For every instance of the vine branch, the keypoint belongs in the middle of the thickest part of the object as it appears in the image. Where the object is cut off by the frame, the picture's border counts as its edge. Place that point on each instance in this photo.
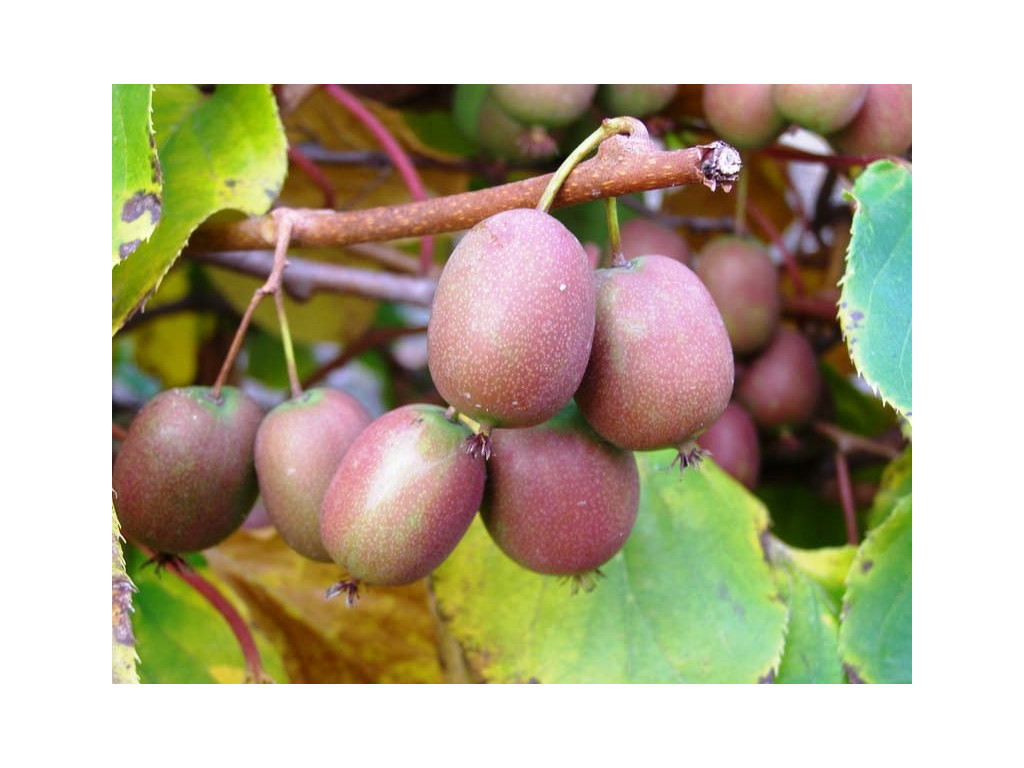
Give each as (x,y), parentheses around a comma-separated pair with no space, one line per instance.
(623,165)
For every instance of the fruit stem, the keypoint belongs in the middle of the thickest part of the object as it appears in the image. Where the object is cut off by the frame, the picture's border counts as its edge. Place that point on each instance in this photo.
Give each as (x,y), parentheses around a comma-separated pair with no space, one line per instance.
(610,126)
(846,497)
(286,342)
(283,221)
(614,235)
(253,664)
(788,260)
(743,184)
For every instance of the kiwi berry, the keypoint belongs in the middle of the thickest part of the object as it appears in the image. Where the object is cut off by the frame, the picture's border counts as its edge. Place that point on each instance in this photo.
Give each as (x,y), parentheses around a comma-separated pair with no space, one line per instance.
(402,497)
(781,387)
(643,237)
(661,370)
(512,322)
(559,499)
(732,442)
(743,115)
(184,479)
(744,282)
(552,106)
(818,107)
(299,446)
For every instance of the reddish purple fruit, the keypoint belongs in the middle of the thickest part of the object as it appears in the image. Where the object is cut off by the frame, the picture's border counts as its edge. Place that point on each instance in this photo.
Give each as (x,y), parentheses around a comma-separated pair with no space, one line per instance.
(744,282)
(782,385)
(635,100)
(643,237)
(733,443)
(884,125)
(184,479)
(743,115)
(817,107)
(298,449)
(559,499)
(661,371)
(513,320)
(552,106)
(402,498)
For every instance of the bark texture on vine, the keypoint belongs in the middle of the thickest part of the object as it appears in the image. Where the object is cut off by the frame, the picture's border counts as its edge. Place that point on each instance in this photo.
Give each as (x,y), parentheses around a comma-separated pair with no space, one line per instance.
(623,165)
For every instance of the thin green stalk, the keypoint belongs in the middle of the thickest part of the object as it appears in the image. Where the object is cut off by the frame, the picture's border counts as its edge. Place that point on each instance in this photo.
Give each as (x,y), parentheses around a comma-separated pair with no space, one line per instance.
(610,126)
(614,234)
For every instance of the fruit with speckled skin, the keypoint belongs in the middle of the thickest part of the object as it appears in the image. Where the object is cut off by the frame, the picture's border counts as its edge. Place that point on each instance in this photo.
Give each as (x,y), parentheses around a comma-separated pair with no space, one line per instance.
(559,499)
(299,446)
(402,498)
(513,320)
(744,282)
(643,237)
(732,443)
(661,370)
(635,100)
(818,107)
(743,115)
(548,105)
(184,479)
(884,125)
(782,385)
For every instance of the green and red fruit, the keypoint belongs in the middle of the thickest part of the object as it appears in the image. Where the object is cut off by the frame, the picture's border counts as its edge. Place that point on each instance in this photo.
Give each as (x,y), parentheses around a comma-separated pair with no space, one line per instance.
(744,282)
(782,386)
(559,499)
(661,370)
(184,479)
(643,237)
(819,108)
(402,498)
(552,106)
(512,322)
(743,115)
(299,446)
(732,442)
(884,125)
(635,100)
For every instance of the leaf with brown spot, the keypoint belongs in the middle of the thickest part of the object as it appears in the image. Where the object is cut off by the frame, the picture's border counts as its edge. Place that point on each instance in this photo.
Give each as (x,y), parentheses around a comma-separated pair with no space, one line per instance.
(388,637)
(203,140)
(136,180)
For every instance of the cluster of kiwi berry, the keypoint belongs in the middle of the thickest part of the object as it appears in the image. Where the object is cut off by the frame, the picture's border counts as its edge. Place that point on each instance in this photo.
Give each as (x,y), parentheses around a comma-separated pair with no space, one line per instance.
(553,373)
(856,119)
(526,123)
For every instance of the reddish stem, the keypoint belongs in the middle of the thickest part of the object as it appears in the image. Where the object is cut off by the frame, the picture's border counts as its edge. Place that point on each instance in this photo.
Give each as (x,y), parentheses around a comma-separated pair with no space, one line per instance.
(253,663)
(842,162)
(398,156)
(318,177)
(846,497)
(788,260)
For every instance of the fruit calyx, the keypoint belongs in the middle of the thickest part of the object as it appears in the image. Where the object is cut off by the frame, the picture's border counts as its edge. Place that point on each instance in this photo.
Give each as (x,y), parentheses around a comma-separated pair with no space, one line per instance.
(348,587)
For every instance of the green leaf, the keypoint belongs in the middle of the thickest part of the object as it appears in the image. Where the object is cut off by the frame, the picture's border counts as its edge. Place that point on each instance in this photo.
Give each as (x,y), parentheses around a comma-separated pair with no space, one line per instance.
(875,634)
(875,304)
(219,151)
(135,187)
(689,599)
(812,636)
(896,483)
(181,638)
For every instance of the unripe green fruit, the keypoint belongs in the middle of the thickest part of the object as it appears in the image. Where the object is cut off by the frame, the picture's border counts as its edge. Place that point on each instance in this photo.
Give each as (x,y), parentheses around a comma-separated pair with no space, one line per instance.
(782,385)
(513,320)
(732,442)
(744,282)
(743,115)
(299,446)
(661,370)
(504,137)
(635,100)
(884,125)
(184,478)
(819,108)
(402,498)
(552,106)
(559,499)
(643,237)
